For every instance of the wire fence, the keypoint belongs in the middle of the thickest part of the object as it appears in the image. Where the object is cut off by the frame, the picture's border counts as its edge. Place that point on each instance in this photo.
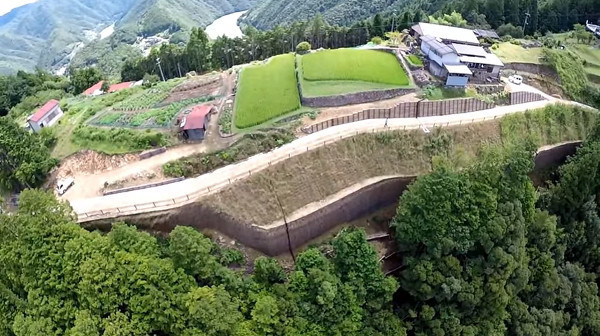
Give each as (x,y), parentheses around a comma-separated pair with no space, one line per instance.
(259,163)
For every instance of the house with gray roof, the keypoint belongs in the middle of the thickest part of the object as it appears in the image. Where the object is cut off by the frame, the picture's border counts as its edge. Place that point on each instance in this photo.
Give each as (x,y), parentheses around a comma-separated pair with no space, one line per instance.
(456,55)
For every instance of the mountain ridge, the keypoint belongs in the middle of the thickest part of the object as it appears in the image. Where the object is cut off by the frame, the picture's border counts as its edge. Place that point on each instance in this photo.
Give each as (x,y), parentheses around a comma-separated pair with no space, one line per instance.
(42,34)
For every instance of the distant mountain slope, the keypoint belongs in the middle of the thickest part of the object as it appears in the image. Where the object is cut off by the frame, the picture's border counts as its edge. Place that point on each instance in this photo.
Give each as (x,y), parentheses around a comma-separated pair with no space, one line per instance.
(269,13)
(44,33)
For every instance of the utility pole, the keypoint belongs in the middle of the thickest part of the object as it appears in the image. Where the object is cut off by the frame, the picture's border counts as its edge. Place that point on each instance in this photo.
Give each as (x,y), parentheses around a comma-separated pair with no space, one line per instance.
(287,229)
(160,67)
(526,22)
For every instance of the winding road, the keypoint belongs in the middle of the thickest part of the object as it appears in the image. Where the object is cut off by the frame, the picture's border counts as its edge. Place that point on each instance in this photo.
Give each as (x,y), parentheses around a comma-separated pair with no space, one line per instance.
(188,191)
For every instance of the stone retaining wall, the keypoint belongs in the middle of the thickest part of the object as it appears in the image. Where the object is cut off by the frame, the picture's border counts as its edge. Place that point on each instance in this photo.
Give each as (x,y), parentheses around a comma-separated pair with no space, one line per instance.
(354,98)
(539,69)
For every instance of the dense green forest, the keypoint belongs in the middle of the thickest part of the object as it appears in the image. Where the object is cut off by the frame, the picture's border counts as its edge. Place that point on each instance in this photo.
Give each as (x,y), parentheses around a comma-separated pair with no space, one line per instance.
(551,15)
(484,253)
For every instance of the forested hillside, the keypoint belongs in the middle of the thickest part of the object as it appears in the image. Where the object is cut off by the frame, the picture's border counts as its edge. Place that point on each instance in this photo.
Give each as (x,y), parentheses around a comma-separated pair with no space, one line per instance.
(44,33)
(269,13)
(558,15)
(484,253)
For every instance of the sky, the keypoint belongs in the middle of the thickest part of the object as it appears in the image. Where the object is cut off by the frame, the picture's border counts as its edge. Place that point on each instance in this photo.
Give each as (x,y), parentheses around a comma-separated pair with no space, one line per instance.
(7,5)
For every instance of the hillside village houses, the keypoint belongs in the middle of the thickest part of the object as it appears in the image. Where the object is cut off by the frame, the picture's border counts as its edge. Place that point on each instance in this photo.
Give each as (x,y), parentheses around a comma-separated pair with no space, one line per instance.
(456,55)
(45,116)
(96,89)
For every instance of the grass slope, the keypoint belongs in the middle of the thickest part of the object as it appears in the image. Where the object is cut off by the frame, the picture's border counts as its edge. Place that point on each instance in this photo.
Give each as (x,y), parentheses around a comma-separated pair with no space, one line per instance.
(266,91)
(512,53)
(591,56)
(415,60)
(352,64)
(312,176)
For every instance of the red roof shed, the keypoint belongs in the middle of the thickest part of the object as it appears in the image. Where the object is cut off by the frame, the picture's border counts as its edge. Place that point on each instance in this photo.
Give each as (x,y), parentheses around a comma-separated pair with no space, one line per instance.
(119,87)
(39,114)
(195,120)
(93,89)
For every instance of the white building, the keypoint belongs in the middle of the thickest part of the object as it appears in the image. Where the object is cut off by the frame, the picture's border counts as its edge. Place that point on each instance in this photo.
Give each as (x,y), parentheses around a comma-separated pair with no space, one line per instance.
(46,116)
(455,54)
(447,34)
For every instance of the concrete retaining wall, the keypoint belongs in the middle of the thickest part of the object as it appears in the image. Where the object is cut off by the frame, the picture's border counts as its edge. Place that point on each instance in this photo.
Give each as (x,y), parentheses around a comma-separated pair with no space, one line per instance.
(272,241)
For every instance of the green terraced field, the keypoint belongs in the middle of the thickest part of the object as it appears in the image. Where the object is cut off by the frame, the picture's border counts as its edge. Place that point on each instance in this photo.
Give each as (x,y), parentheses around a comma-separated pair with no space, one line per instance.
(266,91)
(352,64)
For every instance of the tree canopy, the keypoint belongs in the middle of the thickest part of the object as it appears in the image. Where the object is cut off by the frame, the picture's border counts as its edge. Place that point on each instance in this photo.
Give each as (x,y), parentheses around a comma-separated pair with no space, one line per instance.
(24,159)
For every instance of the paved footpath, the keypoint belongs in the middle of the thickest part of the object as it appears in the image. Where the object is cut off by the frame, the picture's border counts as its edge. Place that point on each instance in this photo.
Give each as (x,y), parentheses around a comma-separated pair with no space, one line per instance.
(187,191)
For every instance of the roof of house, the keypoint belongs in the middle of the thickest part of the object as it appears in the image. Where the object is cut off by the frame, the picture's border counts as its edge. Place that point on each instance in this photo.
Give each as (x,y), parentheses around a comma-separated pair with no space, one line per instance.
(41,113)
(489,59)
(446,32)
(486,33)
(120,86)
(440,48)
(195,120)
(458,69)
(469,50)
(93,89)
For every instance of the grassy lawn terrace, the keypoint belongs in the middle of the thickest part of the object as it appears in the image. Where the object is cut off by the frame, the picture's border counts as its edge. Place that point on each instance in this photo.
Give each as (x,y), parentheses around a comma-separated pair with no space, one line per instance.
(266,91)
(324,73)
(439,93)
(351,64)
(512,53)
(414,60)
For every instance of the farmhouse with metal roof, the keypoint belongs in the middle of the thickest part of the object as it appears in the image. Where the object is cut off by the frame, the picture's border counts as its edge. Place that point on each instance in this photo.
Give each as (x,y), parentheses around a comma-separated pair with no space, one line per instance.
(45,116)
(456,55)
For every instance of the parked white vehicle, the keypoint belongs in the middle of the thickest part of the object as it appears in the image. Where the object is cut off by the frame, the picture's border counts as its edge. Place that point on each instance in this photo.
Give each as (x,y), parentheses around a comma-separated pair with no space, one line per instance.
(516,79)
(63,185)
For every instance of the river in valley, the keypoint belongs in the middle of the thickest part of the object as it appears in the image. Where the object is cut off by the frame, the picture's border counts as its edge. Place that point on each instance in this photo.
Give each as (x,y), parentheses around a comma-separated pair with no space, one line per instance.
(225,25)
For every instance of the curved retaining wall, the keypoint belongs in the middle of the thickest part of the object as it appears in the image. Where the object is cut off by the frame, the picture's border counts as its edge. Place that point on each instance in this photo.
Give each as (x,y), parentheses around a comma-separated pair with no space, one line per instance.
(273,241)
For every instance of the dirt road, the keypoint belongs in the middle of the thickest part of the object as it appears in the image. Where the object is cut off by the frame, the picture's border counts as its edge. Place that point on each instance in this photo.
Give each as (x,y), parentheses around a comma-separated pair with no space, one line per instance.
(187,191)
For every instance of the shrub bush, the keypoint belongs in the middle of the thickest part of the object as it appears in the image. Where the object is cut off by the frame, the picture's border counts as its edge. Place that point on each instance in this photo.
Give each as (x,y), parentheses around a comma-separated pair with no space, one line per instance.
(303,47)
(509,29)
(377,40)
(119,137)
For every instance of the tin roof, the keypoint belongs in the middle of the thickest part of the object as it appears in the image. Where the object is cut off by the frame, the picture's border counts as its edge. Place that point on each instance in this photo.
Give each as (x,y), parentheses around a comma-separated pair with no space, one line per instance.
(489,59)
(119,87)
(93,89)
(440,48)
(448,33)
(195,120)
(459,69)
(41,113)
(463,49)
